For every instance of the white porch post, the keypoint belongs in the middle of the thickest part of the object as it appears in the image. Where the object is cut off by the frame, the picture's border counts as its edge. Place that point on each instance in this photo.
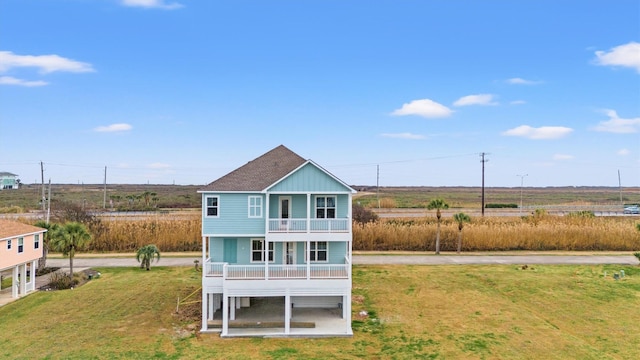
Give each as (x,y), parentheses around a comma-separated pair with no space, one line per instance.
(266,239)
(23,279)
(204,255)
(14,282)
(225,314)
(287,314)
(309,209)
(34,267)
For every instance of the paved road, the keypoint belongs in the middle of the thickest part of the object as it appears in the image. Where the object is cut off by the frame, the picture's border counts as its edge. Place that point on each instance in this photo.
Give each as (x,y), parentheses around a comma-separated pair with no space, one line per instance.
(386,260)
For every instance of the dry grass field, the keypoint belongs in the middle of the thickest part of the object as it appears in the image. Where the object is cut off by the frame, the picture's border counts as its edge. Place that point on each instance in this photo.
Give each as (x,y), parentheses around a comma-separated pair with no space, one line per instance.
(399,312)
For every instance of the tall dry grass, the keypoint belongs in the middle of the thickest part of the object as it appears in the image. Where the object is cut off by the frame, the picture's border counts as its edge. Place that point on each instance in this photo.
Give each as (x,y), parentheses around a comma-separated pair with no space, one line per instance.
(543,232)
(499,234)
(168,233)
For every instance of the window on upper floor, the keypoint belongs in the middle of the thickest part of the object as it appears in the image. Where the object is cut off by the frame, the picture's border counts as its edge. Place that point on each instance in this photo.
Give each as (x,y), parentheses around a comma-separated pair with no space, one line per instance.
(325,207)
(212,205)
(9,244)
(20,245)
(36,241)
(255,206)
(257,250)
(318,251)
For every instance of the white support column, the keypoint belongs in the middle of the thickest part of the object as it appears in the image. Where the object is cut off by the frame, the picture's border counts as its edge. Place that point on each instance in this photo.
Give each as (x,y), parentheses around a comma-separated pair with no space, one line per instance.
(204,255)
(309,212)
(14,282)
(34,268)
(346,311)
(266,257)
(205,296)
(23,279)
(287,314)
(225,315)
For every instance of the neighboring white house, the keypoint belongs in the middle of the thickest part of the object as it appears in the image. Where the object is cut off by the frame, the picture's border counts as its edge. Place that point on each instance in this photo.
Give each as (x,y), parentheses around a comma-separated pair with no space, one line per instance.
(8,181)
(20,249)
(277,247)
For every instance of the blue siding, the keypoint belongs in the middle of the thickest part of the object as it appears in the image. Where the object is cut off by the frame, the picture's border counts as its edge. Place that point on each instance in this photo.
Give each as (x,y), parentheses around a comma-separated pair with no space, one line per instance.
(309,178)
(233,216)
(337,251)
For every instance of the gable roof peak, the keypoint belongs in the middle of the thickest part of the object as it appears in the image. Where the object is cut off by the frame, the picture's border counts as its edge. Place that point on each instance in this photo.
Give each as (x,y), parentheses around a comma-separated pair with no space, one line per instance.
(259,173)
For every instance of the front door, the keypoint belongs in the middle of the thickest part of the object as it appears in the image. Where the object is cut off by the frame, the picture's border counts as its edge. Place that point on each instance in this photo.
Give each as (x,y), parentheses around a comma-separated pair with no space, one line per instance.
(284,209)
(230,251)
(289,253)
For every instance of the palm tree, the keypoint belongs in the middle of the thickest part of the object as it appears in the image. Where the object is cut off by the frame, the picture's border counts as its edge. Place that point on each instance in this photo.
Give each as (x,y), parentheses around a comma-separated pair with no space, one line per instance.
(68,238)
(146,254)
(51,228)
(461,218)
(438,204)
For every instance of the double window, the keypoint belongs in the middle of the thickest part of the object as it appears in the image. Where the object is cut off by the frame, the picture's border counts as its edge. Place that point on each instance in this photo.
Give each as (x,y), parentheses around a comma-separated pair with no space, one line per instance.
(36,241)
(325,207)
(257,250)
(318,251)
(212,204)
(20,245)
(255,206)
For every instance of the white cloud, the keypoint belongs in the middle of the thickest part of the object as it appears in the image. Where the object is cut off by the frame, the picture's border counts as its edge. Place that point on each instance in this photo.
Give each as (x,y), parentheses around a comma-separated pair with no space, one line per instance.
(479,99)
(518,102)
(114,128)
(425,107)
(521,81)
(562,157)
(159,166)
(617,125)
(8,80)
(152,4)
(541,133)
(409,136)
(46,63)
(623,152)
(627,55)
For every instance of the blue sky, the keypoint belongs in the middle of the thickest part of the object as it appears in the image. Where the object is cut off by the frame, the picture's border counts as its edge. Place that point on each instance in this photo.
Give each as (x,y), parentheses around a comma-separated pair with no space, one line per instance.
(185,91)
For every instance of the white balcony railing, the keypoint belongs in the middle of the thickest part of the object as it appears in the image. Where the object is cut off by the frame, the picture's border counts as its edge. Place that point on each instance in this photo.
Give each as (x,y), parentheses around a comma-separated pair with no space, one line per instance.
(309,225)
(276,271)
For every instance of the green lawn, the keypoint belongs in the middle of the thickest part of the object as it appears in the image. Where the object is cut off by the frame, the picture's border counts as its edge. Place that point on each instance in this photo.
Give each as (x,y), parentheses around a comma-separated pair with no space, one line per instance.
(430,312)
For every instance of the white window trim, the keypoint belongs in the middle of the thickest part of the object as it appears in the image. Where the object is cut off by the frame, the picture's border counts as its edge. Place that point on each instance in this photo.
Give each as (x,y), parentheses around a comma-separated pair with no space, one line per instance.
(272,251)
(316,252)
(36,241)
(9,244)
(256,206)
(20,245)
(206,206)
(335,207)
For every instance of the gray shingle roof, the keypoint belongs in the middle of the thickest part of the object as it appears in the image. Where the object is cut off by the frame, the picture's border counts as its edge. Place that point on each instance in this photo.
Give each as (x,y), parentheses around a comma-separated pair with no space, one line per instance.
(260,173)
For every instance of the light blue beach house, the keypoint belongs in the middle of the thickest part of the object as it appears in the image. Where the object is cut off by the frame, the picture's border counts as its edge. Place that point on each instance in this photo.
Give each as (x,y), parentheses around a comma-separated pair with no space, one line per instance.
(277,239)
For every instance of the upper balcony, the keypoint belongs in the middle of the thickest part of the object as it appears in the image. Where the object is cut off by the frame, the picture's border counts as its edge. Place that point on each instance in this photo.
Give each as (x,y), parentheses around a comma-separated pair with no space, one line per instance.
(309,225)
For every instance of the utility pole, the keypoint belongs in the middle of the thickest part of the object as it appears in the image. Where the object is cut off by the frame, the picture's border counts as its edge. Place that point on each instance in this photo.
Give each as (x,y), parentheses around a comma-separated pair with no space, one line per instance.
(49,202)
(104,200)
(620,187)
(42,175)
(378,184)
(521,185)
(483,161)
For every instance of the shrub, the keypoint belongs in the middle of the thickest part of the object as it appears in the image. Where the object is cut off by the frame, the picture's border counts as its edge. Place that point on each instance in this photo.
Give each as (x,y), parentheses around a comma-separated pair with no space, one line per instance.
(362,215)
(61,281)
(501,206)
(388,203)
